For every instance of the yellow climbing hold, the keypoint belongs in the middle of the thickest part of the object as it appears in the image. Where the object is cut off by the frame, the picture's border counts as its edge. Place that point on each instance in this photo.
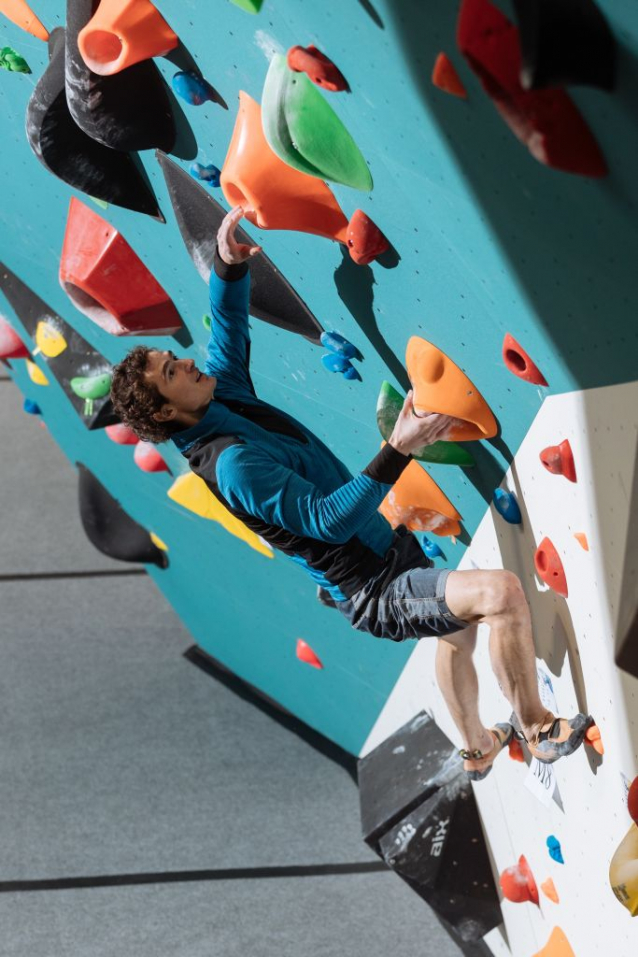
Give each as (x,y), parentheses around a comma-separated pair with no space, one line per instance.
(49,340)
(36,374)
(158,541)
(191,492)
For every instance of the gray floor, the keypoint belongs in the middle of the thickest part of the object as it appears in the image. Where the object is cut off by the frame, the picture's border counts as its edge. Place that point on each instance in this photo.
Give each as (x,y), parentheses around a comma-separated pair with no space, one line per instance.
(126,772)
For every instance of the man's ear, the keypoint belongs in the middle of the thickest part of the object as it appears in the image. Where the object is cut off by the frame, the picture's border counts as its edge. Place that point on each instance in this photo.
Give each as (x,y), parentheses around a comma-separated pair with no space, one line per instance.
(165,414)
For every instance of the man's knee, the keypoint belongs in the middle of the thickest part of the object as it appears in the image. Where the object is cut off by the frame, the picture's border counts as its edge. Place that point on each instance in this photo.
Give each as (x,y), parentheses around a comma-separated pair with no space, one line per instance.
(503,593)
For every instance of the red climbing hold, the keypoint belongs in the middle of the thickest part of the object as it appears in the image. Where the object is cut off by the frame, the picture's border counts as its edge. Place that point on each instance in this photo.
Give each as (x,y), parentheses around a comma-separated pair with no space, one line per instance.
(516,750)
(445,77)
(320,68)
(518,362)
(549,567)
(632,800)
(148,458)
(518,884)
(106,280)
(546,121)
(365,240)
(11,345)
(121,434)
(559,460)
(306,654)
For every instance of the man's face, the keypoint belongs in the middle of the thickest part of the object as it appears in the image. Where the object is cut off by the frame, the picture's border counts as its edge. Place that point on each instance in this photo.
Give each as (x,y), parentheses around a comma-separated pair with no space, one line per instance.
(187,391)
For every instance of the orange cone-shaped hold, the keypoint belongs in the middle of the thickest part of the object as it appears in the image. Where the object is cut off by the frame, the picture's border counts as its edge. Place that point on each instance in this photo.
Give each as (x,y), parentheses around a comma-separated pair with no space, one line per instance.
(445,77)
(23,16)
(556,946)
(417,502)
(307,655)
(273,194)
(559,460)
(123,32)
(440,386)
(518,362)
(518,884)
(549,567)
(581,538)
(594,739)
(11,345)
(108,282)
(549,890)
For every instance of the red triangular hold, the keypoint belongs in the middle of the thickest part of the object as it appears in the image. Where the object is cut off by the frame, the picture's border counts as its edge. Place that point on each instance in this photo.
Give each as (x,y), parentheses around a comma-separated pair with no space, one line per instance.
(559,460)
(519,363)
(549,567)
(445,77)
(307,655)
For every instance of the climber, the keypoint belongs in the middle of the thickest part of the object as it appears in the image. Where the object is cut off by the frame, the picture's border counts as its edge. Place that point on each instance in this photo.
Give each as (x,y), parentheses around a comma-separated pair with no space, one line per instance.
(278,478)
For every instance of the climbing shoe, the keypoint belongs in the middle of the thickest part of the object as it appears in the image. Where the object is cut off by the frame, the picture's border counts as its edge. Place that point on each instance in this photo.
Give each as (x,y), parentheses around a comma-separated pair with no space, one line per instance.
(555,738)
(482,763)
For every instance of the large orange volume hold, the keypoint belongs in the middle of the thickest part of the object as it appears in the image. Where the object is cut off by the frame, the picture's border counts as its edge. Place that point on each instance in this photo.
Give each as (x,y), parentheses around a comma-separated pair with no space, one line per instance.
(273,194)
(417,502)
(440,386)
(106,280)
(123,32)
(556,946)
(23,16)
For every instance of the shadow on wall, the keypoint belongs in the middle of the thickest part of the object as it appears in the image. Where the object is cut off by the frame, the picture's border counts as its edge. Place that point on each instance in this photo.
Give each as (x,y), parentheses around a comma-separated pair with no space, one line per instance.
(569,240)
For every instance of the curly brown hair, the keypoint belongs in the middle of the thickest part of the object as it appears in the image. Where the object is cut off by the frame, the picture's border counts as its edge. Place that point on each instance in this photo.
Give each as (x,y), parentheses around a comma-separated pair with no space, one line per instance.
(135,399)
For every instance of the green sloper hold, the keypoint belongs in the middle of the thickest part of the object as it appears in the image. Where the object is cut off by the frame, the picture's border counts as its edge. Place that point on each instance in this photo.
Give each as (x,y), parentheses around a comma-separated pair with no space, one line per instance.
(250,6)
(12,61)
(92,386)
(305,132)
(389,404)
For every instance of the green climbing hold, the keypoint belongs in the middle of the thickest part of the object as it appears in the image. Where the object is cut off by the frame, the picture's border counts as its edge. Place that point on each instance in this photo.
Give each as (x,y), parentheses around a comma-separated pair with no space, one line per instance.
(90,388)
(206,321)
(305,132)
(389,404)
(250,6)
(12,61)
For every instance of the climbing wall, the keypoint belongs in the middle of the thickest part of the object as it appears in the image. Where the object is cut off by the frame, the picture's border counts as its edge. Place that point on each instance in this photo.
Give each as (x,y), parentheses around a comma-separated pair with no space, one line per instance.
(490,233)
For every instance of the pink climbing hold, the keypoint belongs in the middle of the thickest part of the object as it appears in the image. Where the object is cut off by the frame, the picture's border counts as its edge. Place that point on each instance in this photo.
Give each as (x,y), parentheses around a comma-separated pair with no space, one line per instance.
(518,884)
(519,363)
(148,458)
(365,240)
(11,345)
(121,434)
(307,655)
(559,460)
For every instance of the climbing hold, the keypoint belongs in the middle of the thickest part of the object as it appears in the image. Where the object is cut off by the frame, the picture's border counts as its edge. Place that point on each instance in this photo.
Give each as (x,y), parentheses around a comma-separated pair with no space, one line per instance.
(549,567)
(31,407)
(518,362)
(105,279)
(352,373)
(110,528)
(431,549)
(515,749)
(340,345)
(124,32)
(306,654)
(199,216)
(36,374)
(559,460)
(417,502)
(554,848)
(632,801)
(126,111)
(90,388)
(121,434)
(11,345)
(274,195)
(623,871)
(304,131)
(318,67)
(209,174)
(445,77)
(49,339)
(335,363)
(158,541)
(556,946)
(389,405)
(250,6)
(12,61)
(147,457)
(20,13)
(206,322)
(546,121)
(565,43)
(192,493)
(440,386)
(549,890)
(594,739)
(581,538)
(70,154)
(193,88)
(506,505)
(364,239)
(518,884)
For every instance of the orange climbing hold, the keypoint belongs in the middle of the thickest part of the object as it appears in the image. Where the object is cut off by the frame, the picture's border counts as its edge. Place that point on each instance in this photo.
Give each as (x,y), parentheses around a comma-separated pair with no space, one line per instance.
(307,655)
(556,946)
(123,32)
(23,16)
(11,345)
(549,567)
(559,460)
(318,67)
(518,362)
(445,77)
(518,884)
(549,890)
(273,194)
(106,280)
(516,750)
(417,502)
(581,538)
(594,739)
(365,240)
(440,386)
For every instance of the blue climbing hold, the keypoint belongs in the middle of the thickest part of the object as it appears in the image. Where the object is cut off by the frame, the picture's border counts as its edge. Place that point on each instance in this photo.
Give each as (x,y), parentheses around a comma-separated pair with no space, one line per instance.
(431,549)
(507,506)
(192,87)
(336,363)
(31,407)
(209,174)
(340,345)
(553,846)
(351,373)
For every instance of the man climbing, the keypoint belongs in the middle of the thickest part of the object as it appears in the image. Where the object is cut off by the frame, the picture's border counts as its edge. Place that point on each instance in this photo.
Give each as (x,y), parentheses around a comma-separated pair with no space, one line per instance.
(278,478)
